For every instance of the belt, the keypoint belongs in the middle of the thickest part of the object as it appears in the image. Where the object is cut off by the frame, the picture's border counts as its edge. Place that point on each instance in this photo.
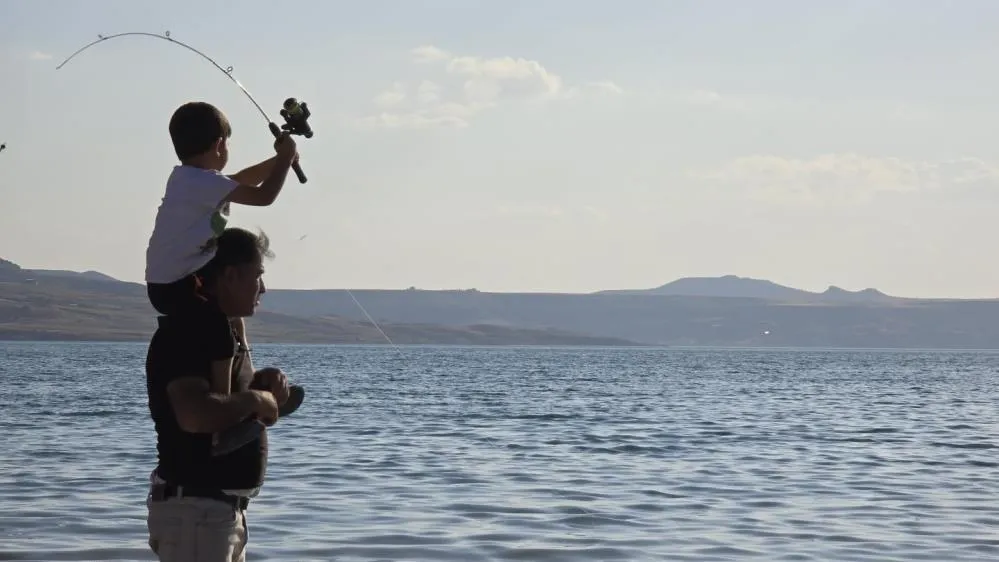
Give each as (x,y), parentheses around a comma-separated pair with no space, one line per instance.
(161,492)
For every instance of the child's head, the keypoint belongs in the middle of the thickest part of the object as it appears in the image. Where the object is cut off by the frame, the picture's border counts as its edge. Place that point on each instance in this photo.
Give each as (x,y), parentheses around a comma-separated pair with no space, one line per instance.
(200,134)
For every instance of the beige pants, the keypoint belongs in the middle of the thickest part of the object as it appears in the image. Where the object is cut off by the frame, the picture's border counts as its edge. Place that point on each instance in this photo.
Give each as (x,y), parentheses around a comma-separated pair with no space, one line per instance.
(196,530)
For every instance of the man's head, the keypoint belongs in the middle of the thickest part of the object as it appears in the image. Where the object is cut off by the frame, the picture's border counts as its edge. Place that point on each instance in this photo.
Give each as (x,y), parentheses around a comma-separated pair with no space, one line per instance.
(200,134)
(234,277)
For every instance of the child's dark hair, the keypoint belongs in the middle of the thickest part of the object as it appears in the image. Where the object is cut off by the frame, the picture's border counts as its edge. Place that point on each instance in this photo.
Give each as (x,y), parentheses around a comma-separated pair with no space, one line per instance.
(195,126)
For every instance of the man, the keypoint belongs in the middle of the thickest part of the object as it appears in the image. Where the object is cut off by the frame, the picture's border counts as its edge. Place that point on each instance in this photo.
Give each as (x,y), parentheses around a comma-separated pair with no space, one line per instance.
(197,501)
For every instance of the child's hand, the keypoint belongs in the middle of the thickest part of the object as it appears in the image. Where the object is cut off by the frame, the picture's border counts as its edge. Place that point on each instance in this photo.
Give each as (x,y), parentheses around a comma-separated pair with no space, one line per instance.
(285,146)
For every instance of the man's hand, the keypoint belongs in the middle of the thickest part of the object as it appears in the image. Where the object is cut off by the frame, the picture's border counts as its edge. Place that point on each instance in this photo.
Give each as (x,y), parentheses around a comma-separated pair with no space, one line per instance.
(272,379)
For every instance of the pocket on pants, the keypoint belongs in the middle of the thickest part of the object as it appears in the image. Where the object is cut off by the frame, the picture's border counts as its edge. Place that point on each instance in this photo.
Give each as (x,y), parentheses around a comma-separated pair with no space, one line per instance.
(221,535)
(166,533)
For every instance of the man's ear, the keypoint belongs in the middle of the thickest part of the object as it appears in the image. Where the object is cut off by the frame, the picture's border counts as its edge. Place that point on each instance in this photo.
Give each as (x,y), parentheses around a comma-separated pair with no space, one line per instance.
(229,274)
(219,146)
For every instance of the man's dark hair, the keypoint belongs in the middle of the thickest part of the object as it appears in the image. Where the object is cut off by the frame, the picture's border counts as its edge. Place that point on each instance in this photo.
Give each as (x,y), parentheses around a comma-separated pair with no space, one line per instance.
(236,247)
(195,126)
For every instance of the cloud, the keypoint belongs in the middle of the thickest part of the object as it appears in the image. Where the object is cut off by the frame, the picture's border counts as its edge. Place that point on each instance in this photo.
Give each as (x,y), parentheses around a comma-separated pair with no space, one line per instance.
(711,99)
(38,55)
(428,92)
(552,213)
(604,87)
(595,213)
(910,113)
(464,85)
(429,54)
(392,96)
(411,121)
(845,177)
(528,210)
(506,77)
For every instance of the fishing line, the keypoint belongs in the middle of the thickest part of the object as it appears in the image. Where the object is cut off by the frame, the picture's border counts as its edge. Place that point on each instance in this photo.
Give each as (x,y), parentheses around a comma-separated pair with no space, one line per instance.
(273,127)
(228,72)
(166,37)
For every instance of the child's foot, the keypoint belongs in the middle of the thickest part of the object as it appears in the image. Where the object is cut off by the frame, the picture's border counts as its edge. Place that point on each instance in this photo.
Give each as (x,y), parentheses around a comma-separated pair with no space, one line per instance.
(249,429)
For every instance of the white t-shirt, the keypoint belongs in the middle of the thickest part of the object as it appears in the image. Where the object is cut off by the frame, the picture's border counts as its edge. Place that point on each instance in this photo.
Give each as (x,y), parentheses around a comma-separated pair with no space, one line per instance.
(192,214)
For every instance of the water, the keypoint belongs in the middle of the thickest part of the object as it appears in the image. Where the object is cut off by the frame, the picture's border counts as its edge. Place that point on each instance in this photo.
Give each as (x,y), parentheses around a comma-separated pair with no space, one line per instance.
(536,454)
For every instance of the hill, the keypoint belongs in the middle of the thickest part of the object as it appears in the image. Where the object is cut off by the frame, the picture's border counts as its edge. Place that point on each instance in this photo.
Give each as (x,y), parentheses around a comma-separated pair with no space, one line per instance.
(745,287)
(678,320)
(726,311)
(65,305)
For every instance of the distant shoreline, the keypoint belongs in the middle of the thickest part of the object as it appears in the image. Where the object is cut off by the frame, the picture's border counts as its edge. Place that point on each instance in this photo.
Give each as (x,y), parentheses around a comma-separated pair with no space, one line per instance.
(693,313)
(568,347)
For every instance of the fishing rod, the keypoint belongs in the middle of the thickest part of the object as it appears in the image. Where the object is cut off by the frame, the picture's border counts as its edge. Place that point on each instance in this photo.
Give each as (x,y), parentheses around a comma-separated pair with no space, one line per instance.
(294,112)
(296,115)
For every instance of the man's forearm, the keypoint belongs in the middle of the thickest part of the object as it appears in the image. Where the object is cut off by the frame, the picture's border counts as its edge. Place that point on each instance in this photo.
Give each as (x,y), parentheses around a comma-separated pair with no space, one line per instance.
(256,174)
(219,412)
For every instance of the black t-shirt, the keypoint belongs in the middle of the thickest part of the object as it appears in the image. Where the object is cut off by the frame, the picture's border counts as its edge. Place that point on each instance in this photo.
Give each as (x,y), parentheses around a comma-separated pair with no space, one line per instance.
(179,349)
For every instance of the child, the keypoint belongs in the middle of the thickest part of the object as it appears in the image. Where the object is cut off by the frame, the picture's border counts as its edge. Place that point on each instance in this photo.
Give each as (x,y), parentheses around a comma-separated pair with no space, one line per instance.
(193,213)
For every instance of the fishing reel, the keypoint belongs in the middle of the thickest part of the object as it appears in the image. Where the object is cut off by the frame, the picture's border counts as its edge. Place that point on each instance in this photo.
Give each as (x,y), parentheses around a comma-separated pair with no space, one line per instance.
(296,118)
(296,122)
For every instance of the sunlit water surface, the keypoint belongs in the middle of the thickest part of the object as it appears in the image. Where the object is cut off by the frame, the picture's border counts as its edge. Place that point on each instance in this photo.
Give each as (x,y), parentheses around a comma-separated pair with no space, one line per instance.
(471,454)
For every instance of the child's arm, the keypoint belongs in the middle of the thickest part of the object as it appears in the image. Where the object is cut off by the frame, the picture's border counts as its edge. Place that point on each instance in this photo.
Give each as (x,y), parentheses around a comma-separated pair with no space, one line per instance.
(277,170)
(255,174)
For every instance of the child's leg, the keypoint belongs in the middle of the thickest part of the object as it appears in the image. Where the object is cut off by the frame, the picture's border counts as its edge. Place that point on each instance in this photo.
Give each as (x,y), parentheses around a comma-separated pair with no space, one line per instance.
(176,298)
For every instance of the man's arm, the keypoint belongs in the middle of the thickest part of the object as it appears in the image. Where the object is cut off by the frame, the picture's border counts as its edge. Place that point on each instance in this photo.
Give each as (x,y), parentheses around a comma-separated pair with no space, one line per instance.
(198,410)
(239,325)
(221,376)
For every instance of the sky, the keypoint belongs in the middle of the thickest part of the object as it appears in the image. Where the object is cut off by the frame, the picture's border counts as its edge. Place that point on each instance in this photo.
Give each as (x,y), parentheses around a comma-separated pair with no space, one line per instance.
(516,145)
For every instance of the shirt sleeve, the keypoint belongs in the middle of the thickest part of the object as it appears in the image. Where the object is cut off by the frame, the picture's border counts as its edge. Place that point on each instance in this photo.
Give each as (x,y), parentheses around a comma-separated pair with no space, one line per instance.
(187,348)
(174,353)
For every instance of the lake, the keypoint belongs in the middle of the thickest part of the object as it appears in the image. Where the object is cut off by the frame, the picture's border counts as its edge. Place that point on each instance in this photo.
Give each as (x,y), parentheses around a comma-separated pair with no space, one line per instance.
(547,454)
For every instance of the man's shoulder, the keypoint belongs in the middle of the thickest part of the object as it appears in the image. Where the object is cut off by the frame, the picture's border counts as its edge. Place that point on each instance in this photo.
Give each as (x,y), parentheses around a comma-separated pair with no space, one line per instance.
(171,333)
(178,336)
(171,345)
(193,342)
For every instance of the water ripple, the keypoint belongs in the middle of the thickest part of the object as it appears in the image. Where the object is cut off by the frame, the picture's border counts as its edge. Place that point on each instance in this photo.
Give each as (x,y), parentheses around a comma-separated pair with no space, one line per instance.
(536,454)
